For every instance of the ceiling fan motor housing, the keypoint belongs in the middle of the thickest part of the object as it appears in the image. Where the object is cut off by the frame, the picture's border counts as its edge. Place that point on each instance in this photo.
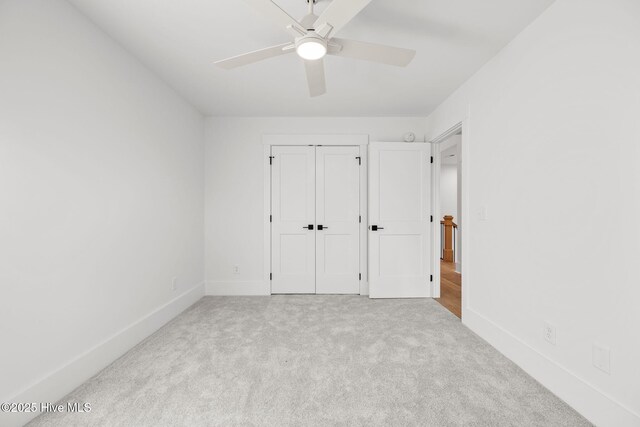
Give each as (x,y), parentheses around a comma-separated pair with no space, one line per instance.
(311,46)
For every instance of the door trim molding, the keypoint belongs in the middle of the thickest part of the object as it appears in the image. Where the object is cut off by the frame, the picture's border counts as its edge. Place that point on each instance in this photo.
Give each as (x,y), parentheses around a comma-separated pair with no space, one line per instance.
(317,139)
(269,140)
(463,221)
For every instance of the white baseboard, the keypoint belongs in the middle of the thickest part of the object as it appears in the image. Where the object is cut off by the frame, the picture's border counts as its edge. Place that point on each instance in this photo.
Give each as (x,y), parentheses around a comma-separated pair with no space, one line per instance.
(61,382)
(238,288)
(593,404)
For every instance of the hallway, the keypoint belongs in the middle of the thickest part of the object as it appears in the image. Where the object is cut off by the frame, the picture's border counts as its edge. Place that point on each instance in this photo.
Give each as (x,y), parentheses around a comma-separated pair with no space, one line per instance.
(450,288)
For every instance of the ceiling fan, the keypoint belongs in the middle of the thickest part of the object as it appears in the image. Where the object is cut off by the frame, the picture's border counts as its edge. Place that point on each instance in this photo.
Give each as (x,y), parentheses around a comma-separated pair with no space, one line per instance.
(314,38)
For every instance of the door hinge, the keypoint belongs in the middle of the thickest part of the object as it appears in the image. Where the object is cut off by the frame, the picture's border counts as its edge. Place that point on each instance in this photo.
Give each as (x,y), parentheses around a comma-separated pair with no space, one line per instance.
(431,278)
(359,276)
(431,159)
(360,219)
(359,160)
(270,218)
(271,159)
(431,218)
(270,276)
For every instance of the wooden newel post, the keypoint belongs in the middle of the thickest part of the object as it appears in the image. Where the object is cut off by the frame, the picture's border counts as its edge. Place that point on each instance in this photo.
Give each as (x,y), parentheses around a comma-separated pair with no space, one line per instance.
(448,238)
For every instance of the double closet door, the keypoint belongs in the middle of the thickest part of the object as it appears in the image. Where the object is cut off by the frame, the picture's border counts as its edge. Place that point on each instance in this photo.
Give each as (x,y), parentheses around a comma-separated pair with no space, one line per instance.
(315,215)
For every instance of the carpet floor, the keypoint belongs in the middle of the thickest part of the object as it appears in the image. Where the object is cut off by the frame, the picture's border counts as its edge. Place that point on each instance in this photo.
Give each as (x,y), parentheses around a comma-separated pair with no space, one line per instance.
(314,361)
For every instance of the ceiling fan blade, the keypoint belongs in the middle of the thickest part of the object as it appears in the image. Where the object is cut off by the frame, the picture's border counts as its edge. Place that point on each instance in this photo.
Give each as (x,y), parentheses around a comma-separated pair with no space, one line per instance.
(255,56)
(277,15)
(339,13)
(373,52)
(315,77)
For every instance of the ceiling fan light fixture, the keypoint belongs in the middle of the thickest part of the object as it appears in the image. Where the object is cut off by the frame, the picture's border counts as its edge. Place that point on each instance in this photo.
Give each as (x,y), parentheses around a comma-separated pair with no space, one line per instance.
(313,39)
(311,47)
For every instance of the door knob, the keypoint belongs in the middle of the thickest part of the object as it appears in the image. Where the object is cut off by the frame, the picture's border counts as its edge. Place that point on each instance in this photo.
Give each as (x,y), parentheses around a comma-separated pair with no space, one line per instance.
(309,227)
(376,228)
(322,227)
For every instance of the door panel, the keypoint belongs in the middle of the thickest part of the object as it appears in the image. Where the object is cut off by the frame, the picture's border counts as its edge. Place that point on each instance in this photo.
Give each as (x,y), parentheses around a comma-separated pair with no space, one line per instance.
(336,246)
(293,251)
(293,208)
(400,186)
(338,211)
(408,265)
(294,186)
(399,196)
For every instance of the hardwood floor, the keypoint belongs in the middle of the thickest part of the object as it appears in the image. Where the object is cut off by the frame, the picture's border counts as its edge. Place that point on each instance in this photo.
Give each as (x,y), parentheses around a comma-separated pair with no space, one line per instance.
(450,288)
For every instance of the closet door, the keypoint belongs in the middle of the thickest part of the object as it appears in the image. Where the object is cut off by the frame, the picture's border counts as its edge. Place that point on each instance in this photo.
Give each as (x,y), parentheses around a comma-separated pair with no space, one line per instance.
(399,220)
(293,242)
(337,218)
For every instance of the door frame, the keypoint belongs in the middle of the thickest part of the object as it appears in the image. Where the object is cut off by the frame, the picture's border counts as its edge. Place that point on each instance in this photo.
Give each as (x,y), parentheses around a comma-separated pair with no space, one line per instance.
(362,141)
(463,221)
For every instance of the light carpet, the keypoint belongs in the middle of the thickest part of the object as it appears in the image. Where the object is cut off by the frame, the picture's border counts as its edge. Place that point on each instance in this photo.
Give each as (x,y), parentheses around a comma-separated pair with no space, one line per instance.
(314,361)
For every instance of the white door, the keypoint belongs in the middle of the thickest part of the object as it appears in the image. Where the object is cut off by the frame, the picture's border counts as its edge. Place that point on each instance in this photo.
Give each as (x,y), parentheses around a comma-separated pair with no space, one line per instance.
(399,220)
(293,242)
(337,219)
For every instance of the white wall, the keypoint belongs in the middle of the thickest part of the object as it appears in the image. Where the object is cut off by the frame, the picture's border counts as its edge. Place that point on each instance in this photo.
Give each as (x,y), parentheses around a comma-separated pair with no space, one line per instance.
(449,191)
(552,147)
(101,184)
(235,189)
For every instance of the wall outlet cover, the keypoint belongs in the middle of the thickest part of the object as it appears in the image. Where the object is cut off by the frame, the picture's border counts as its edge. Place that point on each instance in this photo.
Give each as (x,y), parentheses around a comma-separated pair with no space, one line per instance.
(484,214)
(602,358)
(549,333)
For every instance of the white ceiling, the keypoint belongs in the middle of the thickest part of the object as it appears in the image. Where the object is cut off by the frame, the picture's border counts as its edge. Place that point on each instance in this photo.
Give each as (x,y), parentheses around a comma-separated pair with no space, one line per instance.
(180,40)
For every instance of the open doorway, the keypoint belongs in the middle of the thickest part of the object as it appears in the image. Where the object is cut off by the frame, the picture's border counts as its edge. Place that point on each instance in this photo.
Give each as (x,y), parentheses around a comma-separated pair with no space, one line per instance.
(450,202)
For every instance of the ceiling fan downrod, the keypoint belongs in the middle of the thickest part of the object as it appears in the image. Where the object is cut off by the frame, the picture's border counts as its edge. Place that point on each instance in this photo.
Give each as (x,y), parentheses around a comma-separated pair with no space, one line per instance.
(311,3)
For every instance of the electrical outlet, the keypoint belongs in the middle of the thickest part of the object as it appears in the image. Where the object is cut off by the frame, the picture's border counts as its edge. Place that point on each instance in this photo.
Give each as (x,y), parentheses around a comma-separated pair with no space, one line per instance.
(484,215)
(174,283)
(549,333)
(236,269)
(602,358)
